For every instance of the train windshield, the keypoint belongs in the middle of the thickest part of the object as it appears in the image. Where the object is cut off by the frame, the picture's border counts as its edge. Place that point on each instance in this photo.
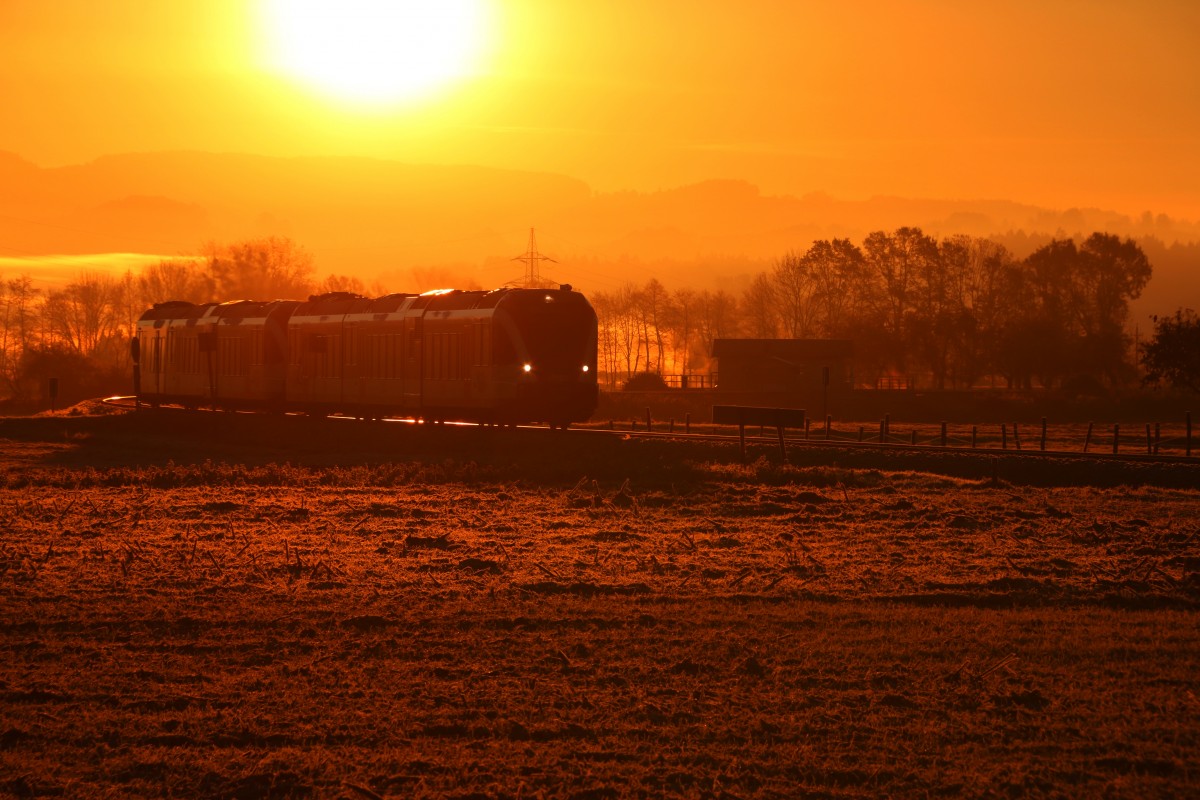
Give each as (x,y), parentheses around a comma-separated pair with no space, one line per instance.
(557,328)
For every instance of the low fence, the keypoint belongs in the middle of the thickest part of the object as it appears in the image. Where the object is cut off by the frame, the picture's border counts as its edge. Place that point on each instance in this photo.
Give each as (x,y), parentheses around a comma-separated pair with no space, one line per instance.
(1167,438)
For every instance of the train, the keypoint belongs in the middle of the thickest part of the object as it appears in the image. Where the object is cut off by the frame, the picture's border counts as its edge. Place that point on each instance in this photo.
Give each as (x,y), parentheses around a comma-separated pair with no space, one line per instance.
(505,356)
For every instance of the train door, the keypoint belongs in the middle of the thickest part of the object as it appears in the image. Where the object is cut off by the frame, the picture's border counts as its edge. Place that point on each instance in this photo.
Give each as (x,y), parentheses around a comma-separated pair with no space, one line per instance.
(156,362)
(353,384)
(413,379)
(206,337)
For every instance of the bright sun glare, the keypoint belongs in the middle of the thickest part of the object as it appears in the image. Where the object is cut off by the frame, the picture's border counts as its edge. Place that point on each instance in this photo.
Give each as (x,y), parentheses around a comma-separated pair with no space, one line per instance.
(376,51)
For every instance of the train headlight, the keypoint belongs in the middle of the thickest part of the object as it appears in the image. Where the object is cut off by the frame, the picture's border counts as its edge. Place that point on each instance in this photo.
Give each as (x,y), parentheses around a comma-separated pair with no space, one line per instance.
(527,368)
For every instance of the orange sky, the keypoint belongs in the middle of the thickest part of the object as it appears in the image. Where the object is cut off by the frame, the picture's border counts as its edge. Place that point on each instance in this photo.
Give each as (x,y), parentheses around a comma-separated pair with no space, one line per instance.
(1058,103)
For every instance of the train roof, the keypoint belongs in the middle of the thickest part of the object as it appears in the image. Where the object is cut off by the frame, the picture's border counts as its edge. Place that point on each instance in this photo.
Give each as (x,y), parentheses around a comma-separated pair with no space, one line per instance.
(252,309)
(341,303)
(176,309)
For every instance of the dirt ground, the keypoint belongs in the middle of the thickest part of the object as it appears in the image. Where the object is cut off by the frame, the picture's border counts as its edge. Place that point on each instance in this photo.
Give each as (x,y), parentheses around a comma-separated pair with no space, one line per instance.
(236,607)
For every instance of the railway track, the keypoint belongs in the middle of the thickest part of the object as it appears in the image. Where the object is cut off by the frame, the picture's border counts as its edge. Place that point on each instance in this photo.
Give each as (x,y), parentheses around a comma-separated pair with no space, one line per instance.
(786,442)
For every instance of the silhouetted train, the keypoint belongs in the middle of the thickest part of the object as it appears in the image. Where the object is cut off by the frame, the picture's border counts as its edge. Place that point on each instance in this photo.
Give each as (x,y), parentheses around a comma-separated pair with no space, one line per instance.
(502,356)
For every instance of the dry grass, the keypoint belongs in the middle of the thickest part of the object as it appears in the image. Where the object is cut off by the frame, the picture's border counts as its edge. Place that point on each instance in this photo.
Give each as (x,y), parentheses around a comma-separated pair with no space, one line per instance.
(210,621)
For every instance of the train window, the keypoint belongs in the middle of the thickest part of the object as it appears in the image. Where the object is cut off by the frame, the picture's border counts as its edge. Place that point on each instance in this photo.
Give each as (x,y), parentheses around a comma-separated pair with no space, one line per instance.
(481,344)
(256,348)
(503,350)
(231,355)
(415,331)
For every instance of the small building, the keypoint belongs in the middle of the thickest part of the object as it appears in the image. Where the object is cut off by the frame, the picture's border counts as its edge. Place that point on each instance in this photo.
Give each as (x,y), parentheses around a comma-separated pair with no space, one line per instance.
(804,372)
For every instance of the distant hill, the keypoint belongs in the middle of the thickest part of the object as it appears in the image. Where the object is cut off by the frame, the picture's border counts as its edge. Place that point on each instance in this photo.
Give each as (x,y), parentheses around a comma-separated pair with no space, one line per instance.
(389,220)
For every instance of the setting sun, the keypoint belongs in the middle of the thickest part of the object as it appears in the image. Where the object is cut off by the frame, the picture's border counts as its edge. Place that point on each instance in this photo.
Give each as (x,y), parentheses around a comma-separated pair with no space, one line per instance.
(375,51)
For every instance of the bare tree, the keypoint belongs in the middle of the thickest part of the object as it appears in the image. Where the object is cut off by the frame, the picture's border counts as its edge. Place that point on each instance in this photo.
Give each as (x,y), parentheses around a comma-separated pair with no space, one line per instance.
(795,289)
(175,279)
(760,308)
(654,304)
(341,283)
(260,269)
(716,319)
(681,324)
(86,312)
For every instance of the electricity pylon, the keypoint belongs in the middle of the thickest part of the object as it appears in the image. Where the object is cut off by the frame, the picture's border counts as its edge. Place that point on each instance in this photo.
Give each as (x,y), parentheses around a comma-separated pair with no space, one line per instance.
(532,259)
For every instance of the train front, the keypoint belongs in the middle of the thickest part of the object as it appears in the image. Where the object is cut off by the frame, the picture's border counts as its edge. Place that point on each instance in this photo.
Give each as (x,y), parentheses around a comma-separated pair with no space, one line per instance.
(546,339)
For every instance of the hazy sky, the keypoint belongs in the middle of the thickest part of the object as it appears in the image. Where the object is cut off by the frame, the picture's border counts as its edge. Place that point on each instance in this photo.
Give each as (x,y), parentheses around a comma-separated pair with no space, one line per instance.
(1060,103)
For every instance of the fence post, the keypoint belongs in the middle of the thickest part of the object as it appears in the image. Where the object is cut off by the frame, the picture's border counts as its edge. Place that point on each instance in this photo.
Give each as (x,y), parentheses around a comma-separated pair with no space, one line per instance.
(1116,437)
(1149,441)
(914,436)
(861,430)
(1187,442)
(687,423)
(1043,433)
(1003,436)
(882,431)
(974,435)
(781,434)
(1087,440)
(828,425)
(649,427)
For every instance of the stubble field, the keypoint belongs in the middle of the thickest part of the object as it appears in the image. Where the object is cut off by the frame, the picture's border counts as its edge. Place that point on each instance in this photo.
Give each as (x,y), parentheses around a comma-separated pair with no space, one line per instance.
(235,607)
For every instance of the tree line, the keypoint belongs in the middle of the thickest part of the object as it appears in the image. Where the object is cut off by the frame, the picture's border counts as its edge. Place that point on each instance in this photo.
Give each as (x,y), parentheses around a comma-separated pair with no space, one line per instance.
(948,313)
(941,314)
(80,331)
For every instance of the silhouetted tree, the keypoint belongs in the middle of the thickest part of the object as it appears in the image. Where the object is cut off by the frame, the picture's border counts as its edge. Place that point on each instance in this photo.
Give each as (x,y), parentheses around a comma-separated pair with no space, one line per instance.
(261,269)
(1172,356)
(681,323)
(620,325)
(837,269)
(985,306)
(653,303)
(716,318)
(760,308)
(795,289)
(897,261)
(86,312)
(1111,273)
(340,283)
(176,279)
(1081,304)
